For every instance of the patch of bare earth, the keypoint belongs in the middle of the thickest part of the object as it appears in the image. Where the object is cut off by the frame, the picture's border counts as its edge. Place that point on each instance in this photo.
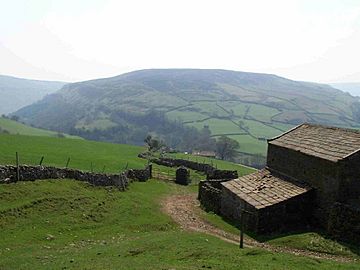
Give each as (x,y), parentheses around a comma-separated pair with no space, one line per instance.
(184,210)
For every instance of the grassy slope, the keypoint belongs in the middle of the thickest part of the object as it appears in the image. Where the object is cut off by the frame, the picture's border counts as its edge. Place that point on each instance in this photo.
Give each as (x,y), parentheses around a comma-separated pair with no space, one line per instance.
(76,226)
(73,212)
(81,152)
(14,127)
(311,241)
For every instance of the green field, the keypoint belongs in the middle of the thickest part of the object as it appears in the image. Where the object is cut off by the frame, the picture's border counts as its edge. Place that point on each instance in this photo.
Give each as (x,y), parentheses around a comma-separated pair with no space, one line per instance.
(52,224)
(56,151)
(14,127)
(248,123)
(72,225)
(218,126)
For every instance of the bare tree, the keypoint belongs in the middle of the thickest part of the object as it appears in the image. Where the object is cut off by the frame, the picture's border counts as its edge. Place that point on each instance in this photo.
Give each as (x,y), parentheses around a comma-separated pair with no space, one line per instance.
(226,148)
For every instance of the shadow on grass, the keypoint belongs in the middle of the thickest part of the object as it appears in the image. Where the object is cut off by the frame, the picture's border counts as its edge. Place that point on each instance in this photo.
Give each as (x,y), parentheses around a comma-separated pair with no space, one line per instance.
(304,238)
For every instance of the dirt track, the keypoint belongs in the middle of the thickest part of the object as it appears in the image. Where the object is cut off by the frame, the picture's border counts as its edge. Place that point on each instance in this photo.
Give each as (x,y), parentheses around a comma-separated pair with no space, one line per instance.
(184,210)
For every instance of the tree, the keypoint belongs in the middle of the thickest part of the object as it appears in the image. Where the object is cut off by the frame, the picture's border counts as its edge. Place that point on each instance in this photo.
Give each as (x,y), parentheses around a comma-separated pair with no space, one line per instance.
(15,118)
(204,141)
(152,143)
(226,148)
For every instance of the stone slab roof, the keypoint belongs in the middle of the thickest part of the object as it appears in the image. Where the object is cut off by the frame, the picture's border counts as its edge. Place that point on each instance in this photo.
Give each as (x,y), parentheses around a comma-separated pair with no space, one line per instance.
(330,143)
(262,189)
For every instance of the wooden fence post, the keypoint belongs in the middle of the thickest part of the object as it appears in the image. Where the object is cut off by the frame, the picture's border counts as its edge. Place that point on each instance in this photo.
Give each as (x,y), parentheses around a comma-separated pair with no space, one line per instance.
(41,160)
(242,230)
(67,163)
(122,181)
(17,167)
(242,226)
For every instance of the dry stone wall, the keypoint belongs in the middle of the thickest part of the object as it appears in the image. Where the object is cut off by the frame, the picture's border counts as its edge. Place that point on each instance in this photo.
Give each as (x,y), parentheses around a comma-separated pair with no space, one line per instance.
(209,197)
(172,162)
(8,174)
(210,171)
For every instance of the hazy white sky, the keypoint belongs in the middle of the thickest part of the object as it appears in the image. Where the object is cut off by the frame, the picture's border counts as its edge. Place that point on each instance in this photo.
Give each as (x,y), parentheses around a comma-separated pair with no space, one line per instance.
(315,40)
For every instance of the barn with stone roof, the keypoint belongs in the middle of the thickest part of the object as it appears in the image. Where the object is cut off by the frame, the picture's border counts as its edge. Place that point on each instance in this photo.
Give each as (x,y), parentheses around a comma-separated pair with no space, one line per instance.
(312,175)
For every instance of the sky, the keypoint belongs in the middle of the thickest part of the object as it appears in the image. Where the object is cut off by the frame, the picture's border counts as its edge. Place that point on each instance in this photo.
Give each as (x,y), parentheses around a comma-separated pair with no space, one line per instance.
(75,40)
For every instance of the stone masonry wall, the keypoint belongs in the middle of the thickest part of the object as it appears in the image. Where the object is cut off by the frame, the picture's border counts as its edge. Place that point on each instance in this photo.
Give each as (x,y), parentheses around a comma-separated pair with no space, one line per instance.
(210,194)
(322,175)
(172,162)
(211,172)
(292,214)
(231,207)
(350,184)
(344,222)
(32,173)
(209,197)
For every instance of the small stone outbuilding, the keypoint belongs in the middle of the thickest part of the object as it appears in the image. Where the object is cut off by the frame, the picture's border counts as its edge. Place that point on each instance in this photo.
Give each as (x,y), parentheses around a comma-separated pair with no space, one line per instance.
(267,198)
(312,171)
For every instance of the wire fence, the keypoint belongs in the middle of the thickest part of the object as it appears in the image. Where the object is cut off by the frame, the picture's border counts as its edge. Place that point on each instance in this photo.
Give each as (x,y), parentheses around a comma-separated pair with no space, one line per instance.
(97,166)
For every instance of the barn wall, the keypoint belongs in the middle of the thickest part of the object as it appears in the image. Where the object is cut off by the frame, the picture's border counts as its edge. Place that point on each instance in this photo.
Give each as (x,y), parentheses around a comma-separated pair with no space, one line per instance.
(291,214)
(350,179)
(322,175)
(344,222)
(231,207)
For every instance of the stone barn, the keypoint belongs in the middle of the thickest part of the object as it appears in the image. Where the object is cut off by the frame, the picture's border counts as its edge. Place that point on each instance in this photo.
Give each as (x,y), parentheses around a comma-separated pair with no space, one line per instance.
(267,199)
(311,170)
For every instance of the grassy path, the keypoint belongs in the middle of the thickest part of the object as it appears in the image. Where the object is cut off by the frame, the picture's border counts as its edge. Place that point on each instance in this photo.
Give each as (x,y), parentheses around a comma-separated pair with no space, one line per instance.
(184,210)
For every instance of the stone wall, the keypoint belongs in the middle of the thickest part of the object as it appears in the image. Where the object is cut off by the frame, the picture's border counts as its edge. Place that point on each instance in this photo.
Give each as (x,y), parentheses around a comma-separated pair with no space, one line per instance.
(231,207)
(210,194)
(292,214)
(209,197)
(344,222)
(32,173)
(349,175)
(222,174)
(182,176)
(321,174)
(172,162)
(140,175)
(288,215)
(211,172)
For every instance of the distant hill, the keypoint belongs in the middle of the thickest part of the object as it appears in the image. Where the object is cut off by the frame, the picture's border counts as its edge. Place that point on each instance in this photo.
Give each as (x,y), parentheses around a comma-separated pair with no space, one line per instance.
(9,126)
(16,93)
(248,107)
(352,87)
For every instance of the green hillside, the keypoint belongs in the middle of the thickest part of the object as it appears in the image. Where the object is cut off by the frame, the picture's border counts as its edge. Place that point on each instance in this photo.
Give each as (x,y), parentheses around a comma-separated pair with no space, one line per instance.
(72,225)
(83,154)
(16,93)
(67,224)
(248,107)
(14,127)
